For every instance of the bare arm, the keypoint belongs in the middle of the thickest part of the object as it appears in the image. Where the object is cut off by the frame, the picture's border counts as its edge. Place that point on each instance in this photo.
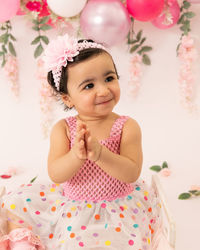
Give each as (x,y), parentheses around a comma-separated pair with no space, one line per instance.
(63,163)
(126,166)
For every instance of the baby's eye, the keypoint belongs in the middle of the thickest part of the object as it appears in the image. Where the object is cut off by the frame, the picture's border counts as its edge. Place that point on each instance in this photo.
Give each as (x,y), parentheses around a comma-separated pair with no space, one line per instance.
(109,78)
(89,86)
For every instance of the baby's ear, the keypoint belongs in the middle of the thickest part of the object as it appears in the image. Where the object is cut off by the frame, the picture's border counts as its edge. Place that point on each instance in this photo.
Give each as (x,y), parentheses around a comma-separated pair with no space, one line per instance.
(67,101)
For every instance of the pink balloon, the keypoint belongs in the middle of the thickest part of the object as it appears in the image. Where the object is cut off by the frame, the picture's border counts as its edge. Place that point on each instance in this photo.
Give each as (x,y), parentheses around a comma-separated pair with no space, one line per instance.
(194,1)
(145,10)
(171,8)
(8,9)
(105,21)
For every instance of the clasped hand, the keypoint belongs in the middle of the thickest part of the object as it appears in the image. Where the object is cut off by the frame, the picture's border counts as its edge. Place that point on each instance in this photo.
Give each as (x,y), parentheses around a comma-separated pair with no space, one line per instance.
(85,145)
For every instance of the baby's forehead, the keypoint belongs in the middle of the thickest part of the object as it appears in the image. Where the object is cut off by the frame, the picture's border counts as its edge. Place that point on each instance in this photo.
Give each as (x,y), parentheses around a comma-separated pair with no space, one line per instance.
(96,64)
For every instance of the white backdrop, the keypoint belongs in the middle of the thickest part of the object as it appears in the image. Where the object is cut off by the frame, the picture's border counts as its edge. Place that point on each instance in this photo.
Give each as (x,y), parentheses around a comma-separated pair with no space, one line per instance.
(170,133)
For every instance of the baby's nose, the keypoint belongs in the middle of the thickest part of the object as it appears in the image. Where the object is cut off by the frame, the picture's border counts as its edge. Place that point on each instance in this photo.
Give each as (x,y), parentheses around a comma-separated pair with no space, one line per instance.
(102,90)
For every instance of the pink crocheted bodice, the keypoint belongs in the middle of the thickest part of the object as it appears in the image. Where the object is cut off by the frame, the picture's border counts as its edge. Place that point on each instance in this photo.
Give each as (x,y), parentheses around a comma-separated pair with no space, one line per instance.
(91,183)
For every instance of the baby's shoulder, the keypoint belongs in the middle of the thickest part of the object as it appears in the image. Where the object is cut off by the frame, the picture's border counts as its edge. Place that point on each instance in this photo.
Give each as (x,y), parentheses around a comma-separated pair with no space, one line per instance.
(60,127)
(132,122)
(131,127)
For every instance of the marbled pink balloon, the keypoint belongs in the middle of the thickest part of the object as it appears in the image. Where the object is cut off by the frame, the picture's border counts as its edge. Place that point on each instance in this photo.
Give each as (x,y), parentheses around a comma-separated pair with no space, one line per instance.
(169,17)
(105,21)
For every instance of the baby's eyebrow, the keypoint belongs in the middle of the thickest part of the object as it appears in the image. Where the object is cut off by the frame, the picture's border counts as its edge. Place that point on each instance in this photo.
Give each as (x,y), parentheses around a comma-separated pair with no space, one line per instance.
(92,79)
(110,72)
(86,81)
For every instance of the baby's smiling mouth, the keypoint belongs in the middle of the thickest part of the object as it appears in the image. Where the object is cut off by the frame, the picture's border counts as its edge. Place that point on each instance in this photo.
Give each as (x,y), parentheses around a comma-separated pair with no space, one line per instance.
(104,101)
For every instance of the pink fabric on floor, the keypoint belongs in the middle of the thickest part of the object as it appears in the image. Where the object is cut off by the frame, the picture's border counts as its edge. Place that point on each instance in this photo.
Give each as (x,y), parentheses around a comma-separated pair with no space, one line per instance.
(21,238)
(22,244)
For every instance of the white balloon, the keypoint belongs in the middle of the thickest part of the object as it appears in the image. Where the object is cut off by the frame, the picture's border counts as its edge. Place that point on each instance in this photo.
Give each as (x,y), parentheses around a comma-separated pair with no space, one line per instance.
(66,8)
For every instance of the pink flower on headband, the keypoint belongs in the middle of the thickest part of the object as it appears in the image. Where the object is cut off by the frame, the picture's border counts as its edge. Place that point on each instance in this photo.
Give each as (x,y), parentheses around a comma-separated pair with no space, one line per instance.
(62,50)
(59,51)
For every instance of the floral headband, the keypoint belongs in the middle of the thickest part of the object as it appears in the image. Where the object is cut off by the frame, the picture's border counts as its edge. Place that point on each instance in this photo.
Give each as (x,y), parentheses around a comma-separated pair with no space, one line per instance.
(63,50)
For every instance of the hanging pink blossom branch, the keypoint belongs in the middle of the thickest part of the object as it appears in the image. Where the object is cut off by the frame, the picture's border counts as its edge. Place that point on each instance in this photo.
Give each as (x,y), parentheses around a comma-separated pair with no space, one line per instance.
(135,74)
(140,57)
(46,99)
(187,55)
(11,70)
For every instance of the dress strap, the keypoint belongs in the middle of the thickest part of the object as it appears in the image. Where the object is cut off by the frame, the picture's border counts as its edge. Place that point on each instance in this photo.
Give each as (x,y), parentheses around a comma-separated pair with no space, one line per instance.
(71,122)
(118,125)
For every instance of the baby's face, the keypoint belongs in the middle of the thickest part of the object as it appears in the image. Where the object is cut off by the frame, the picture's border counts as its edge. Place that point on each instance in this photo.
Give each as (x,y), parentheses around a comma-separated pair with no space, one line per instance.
(93,87)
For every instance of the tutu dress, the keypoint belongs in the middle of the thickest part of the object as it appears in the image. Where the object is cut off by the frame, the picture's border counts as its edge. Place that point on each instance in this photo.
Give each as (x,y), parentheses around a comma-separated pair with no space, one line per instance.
(92,210)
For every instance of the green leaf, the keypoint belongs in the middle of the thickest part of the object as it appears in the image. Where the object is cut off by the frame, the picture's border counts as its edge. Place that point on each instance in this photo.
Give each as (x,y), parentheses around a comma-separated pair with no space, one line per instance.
(186,5)
(146,60)
(184,196)
(36,28)
(186,22)
(193,191)
(156,168)
(145,49)
(3,63)
(177,48)
(132,41)
(4,48)
(44,20)
(4,38)
(38,51)
(45,27)
(164,165)
(12,37)
(11,49)
(35,21)
(184,28)
(142,41)
(134,48)
(33,179)
(189,14)
(1,53)
(45,39)
(181,19)
(36,40)
(139,35)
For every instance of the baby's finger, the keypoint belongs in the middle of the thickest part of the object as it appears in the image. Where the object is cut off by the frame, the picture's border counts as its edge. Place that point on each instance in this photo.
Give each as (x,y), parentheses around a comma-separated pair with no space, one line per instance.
(87,135)
(80,135)
(81,148)
(89,143)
